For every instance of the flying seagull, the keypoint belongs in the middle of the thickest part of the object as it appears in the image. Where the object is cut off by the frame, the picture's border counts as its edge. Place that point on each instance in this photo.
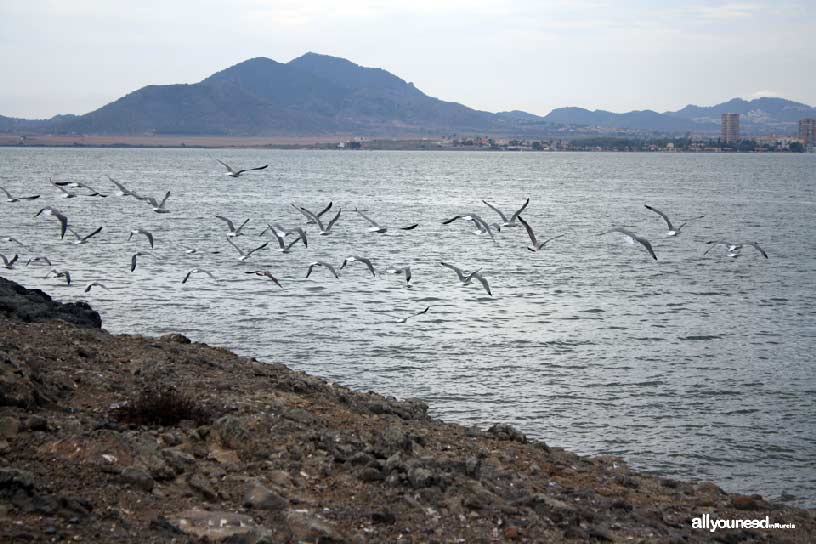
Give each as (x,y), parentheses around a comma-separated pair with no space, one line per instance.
(324,230)
(281,232)
(123,191)
(135,256)
(325,265)
(632,237)
(233,173)
(196,271)
(148,235)
(265,274)
(480,223)
(358,259)
(9,263)
(60,274)
(75,185)
(84,239)
(280,236)
(308,214)
(406,318)
(673,231)
(464,276)
(13,240)
(406,270)
(507,222)
(65,192)
(536,244)
(734,249)
(233,232)
(478,276)
(158,207)
(379,229)
(246,254)
(94,284)
(39,259)
(59,215)
(10,198)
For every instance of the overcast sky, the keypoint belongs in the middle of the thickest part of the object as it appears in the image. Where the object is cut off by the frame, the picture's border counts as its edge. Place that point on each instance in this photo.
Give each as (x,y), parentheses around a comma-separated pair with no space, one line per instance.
(73,56)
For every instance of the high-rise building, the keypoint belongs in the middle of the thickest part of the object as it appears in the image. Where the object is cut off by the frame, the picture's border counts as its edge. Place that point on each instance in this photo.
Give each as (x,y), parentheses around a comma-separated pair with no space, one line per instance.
(807,131)
(729,132)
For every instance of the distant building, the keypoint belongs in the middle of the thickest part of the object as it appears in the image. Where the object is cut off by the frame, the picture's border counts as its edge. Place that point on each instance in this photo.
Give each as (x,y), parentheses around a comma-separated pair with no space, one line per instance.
(729,132)
(807,131)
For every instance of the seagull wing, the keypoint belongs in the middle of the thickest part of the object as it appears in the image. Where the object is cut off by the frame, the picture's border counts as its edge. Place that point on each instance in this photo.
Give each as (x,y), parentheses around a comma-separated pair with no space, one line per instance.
(258,167)
(229,223)
(518,212)
(238,230)
(260,247)
(459,271)
(8,195)
(495,209)
(661,214)
(187,276)
(94,233)
(311,217)
(333,221)
(410,227)
(324,210)
(483,281)
(529,229)
(548,240)
(227,166)
(164,200)
(452,219)
(133,262)
(645,243)
(756,246)
(238,249)
(422,312)
(367,218)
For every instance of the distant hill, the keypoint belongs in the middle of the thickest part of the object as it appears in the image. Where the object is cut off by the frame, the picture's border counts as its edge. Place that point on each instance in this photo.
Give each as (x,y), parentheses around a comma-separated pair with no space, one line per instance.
(316,95)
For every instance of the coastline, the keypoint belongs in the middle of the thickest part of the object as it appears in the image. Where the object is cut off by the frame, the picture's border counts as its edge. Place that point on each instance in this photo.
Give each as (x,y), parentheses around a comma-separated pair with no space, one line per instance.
(276,455)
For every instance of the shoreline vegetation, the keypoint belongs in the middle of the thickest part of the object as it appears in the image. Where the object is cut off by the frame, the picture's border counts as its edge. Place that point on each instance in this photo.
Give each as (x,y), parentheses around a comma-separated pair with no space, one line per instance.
(125,438)
(452,143)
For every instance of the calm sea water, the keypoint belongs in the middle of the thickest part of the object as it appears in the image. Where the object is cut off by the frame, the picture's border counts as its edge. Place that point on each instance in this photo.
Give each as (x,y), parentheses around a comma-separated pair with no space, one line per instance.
(698,367)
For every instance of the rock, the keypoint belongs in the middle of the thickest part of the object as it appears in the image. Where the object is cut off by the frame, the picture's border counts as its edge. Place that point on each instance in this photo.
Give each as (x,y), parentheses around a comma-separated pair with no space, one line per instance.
(370,474)
(11,479)
(502,431)
(175,338)
(224,456)
(230,432)
(557,510)
(33,305)
(421,477)
(137,478)
(512,533)
(198,483)
(383,517)
(300,415)
(261,498)
(37,423)
(213,526)
(178,460)
(9,426)
(395,438)
(309,527)
(19,386)
(476,497)
(745,502)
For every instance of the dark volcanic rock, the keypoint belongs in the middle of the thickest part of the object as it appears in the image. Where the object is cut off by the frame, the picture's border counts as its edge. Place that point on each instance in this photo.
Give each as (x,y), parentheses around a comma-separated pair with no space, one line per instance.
(32,305)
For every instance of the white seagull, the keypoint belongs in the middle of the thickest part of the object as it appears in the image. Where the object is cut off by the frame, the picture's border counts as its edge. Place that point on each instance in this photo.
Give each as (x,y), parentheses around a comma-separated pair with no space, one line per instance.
(246,254)
(196,271)
(60,274)
(39,259)
(233,173)
(356,258)
(75,185)
(406,270)
(507,222)
(478,276)
(233,232)
(673,231)
(53,212)
(379,229)
(406,318)
(480,223)
(280,236)
(536,244)
(265,274)
(148,235)
(123,191)
(463,275)
(84,239)
(324,230)
(325,265)
(94,284)
(734,249)
(13,240)
(9,263)
(10,198)
(308,214)
(158,207)
(632,238)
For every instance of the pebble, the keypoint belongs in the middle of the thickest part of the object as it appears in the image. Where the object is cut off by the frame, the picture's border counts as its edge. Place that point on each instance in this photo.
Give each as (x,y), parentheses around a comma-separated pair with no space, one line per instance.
(138,478)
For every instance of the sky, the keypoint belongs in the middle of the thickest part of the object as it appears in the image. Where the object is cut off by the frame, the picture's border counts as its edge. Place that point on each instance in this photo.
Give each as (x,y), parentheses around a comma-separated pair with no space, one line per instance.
(73,56)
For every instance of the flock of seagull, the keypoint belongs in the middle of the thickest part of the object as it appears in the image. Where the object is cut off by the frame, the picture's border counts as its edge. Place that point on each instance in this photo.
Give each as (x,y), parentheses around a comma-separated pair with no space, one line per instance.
(287,238)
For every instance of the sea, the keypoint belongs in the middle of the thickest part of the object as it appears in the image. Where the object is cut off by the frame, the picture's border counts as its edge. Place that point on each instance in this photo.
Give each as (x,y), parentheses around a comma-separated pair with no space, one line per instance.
(697,366)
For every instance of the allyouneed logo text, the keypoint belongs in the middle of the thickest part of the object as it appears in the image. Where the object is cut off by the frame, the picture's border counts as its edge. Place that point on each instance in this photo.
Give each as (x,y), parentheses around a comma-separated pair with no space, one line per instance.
(705,522)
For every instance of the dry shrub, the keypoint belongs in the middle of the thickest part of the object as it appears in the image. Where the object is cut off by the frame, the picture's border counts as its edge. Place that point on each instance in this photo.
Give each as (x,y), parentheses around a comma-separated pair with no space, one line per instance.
(162,405)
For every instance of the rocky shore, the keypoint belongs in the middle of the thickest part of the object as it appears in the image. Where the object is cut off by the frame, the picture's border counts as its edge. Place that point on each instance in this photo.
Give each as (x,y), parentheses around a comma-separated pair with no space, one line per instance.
(130,439)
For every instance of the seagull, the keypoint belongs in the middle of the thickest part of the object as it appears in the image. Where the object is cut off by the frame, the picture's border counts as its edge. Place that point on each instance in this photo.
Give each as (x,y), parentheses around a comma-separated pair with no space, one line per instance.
(481,280)
(379,229)
(158,207)
(39,259)
(734,249)
(65,192)
(358,259)
(94,284)
(84,239)
(265,274)
(10,198)
(536,244)
(282,232)
(60,274)
(308,214)
(464,276)
(233,232)
(148,235)
(74,185)
(9,263)
(673,231)
(123,191)
(59,215)
(406,318)
(13,240)
(233,173)
(280,236)
(507,222)
(196,271)
(246,254)
(324,264)
(134,256)
(480,223)
(323,230)
(632,237)
(404,270)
